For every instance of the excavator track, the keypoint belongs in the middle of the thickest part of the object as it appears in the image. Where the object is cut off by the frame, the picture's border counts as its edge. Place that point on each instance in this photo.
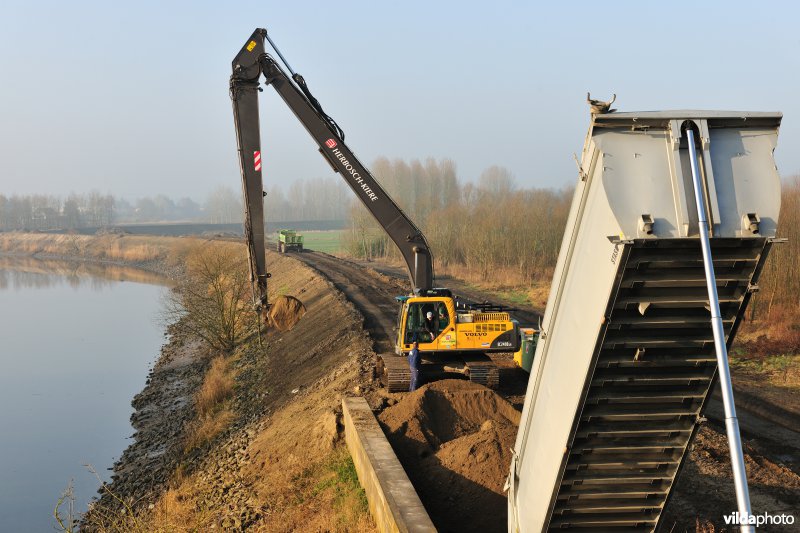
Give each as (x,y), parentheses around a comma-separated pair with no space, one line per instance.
(394,372)
(483,371)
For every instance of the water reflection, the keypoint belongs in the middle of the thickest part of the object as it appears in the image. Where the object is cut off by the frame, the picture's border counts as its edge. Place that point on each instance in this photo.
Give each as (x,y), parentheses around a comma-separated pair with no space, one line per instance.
(18,272)
(75,346)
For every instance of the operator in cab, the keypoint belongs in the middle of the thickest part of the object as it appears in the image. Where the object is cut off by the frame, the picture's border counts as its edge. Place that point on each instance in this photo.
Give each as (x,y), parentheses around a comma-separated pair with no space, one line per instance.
(431,326)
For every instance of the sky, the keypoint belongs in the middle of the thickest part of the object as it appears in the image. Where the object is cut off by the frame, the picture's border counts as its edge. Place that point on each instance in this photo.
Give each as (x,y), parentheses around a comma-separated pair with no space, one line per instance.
(132,98)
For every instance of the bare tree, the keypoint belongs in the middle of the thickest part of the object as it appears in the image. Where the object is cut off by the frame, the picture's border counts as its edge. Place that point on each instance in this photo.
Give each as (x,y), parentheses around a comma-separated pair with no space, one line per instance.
(497,180)
(780,281)
(212,301)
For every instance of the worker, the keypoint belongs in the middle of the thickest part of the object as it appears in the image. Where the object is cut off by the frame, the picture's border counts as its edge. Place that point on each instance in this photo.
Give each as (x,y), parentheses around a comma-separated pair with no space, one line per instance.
(413,363)
(431,325)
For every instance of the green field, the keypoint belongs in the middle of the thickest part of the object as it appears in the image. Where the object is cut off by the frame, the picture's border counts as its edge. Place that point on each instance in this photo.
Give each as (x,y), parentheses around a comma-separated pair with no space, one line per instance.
(328,241)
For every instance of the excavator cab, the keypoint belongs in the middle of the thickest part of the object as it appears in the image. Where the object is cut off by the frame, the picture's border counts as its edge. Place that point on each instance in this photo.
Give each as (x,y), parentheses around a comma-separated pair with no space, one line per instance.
(432,335)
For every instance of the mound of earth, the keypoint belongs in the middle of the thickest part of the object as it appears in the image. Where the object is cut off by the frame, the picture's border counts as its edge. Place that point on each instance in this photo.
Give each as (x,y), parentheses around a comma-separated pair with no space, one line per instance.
(454,440)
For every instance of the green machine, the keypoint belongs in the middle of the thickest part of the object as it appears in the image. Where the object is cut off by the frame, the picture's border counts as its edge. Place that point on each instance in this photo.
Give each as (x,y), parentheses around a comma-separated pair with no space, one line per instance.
(289,239)
(527,348)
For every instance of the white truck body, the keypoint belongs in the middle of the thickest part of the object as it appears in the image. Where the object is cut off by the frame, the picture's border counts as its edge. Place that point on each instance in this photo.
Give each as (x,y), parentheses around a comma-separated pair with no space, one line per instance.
(626,360)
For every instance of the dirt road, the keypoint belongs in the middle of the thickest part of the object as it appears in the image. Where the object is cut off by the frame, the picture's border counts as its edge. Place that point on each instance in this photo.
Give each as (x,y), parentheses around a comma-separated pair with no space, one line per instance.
(371,292)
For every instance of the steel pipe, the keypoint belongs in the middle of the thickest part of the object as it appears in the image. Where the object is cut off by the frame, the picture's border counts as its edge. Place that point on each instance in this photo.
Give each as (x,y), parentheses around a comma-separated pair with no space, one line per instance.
(731,422)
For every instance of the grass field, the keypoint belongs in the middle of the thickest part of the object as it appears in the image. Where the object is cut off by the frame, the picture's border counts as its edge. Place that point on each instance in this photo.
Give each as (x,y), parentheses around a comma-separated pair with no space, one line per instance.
(328,241)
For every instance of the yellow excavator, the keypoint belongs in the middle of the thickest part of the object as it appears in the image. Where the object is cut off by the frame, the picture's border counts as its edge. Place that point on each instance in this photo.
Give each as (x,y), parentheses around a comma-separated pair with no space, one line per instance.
(454,334)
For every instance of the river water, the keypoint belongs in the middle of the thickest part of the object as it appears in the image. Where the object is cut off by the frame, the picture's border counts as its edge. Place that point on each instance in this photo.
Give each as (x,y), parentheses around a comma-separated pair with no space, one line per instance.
(76,344)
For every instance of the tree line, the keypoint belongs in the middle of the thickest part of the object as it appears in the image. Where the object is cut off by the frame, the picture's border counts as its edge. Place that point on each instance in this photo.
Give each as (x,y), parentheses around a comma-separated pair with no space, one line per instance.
(496,226)
(485,227)
(312,199)
(39,211)
(490,225)
(779,294)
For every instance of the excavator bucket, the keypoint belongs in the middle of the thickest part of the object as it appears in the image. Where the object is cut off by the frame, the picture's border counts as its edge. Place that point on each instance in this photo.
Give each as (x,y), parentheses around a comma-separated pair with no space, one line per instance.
(284,313)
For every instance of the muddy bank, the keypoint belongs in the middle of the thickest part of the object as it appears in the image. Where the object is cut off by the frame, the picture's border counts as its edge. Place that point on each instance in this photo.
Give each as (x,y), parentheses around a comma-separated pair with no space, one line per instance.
(278,463)
(161,410)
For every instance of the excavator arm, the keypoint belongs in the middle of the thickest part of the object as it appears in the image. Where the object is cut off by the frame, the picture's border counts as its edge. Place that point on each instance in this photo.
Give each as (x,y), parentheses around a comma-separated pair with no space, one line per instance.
(249,64)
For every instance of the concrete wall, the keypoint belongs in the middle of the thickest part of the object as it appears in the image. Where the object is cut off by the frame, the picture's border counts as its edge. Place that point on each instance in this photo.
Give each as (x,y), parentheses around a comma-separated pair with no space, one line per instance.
(393,502)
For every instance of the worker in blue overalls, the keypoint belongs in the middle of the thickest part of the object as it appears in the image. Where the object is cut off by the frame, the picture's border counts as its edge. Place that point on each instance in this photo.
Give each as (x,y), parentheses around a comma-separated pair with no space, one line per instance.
(413,363)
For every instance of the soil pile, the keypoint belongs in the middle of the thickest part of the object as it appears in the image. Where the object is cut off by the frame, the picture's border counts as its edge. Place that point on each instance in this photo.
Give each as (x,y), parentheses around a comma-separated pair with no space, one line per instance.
(285,312)
(454,440)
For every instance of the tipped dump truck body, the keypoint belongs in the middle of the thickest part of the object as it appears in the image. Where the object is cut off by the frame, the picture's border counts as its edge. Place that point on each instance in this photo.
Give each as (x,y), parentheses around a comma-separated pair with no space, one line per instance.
(626,359)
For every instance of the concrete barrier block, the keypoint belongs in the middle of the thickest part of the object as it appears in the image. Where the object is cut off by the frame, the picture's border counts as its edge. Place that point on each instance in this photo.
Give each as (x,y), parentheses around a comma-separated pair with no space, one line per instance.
(393,502)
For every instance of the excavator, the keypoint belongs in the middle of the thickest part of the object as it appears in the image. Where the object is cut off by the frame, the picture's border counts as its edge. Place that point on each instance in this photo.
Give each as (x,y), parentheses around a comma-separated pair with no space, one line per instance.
(454,334)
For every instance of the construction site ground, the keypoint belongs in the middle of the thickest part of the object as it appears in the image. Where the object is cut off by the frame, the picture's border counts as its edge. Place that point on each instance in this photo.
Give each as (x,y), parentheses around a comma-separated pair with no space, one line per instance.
(280,463)
(453,438)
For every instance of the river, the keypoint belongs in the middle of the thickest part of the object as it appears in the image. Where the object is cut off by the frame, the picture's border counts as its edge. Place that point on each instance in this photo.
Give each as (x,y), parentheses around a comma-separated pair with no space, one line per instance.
(76,345)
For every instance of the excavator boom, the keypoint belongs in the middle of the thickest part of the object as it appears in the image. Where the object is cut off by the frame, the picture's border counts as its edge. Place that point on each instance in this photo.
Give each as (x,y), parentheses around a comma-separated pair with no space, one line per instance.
(465,333)
(249,64)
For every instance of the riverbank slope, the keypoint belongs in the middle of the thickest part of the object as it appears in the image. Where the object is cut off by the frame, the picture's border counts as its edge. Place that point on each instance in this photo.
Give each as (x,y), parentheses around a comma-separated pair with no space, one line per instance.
(270,454)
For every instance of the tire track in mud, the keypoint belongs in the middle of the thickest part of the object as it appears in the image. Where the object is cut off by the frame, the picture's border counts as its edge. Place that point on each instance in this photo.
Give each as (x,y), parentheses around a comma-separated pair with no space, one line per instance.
(772,437)
(372,296)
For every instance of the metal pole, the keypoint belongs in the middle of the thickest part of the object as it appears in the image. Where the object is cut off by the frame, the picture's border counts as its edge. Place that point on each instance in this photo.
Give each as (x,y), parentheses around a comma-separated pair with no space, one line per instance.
(279,53)
(731,422)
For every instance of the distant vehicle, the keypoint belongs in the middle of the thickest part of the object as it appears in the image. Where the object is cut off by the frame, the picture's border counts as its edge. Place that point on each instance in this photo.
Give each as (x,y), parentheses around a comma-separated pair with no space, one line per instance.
(289,239)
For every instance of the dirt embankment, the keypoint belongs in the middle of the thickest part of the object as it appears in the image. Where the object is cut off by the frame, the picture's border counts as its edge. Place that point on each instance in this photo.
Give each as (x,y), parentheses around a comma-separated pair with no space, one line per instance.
(279,465)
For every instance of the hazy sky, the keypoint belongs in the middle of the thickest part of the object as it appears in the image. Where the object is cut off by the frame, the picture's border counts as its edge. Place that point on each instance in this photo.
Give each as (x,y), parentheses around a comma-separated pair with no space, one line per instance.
(132,98)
